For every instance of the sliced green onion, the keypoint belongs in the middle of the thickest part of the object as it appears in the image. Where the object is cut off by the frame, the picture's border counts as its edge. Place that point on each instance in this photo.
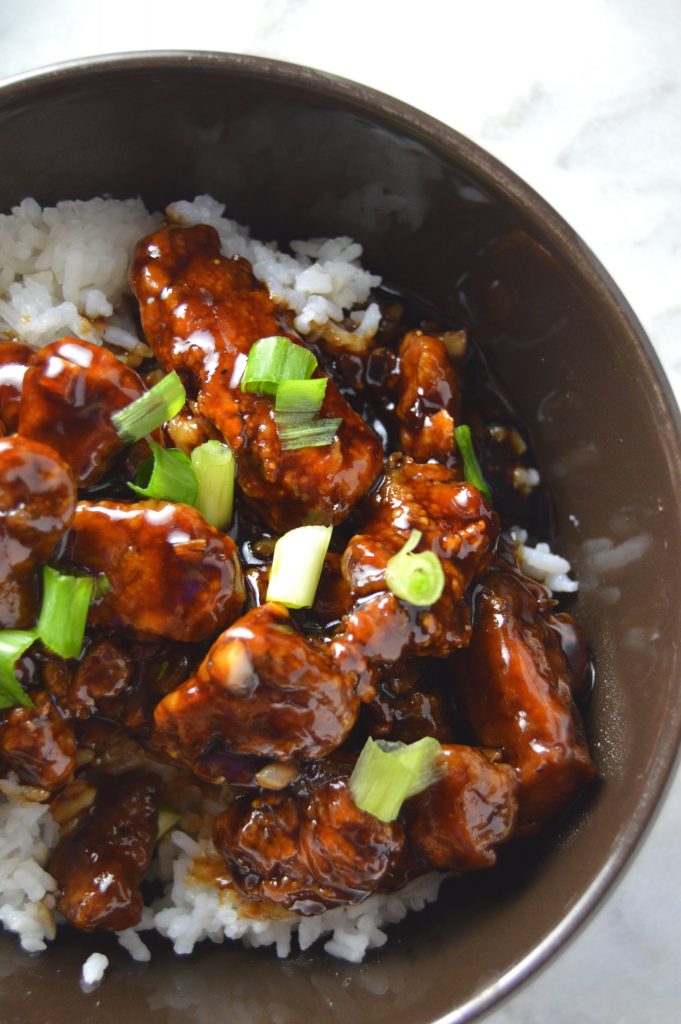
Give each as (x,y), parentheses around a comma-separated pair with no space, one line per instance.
(63,614)
(167,819)
(102,586)
(303,397)
(167,475)
(297,565)
(416,578)
(471,467)
(151,410)
(312,434)
(386,774)
(13,643)
(271,360)
(214,466)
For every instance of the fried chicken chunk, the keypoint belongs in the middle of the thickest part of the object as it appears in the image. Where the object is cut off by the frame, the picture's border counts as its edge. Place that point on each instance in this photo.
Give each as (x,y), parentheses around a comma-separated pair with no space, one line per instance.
(38,743)
(70,392)
(100,866)
(458,822)
(14,360)
(37,502)
(171,573)
(201,314)
(263,689)
(427,399)
(514,684)
(308,847)
(456,524)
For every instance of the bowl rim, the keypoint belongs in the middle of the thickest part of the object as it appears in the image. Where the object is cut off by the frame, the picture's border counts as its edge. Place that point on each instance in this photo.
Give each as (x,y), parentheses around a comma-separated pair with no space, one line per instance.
(472,157)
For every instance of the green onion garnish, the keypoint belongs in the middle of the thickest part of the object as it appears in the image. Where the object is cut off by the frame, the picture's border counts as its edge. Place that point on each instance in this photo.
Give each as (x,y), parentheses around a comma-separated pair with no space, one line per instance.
(387,774)
(167,819)
(297,565)
(214,466)
(471,467)
(302,397)
(151,410)
(416,578)
(66,600)
(311,434)
(167,476)
(13,643)
(271,360)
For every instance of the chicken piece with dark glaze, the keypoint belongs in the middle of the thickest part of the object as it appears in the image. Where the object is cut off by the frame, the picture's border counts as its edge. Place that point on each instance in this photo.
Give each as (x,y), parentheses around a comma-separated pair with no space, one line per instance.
(457,525)
(14,359)
(458,822)
(70,393)
(308,847)
(514,684)
(37,502)
(38,743)
(201,314)
(427,402)
(100,866)
(264,690)
(171,573)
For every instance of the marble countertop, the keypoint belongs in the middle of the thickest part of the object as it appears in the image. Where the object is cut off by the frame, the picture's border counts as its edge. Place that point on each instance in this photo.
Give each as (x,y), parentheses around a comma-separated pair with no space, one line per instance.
(583,100)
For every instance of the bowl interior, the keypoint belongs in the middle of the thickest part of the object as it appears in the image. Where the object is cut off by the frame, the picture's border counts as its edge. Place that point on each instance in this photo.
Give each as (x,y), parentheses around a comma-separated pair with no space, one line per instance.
(297,155)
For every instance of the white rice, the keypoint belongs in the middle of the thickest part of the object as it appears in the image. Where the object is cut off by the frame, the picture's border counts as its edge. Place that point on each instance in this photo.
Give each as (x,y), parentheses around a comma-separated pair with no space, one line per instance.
(64,269)
(191,910)
(541,564)
(93,970)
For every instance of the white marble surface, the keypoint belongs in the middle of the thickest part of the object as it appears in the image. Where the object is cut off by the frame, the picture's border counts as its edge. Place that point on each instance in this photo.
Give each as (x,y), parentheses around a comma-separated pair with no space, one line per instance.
(583,100)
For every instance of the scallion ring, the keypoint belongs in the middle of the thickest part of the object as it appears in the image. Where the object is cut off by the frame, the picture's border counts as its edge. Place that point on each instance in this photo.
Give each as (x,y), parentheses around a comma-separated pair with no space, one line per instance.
(272,360)
(13,643)
(63,613)
(214,465)
(297,566)
(151,410)
(167,476)
(386,774)
(471,467)
(416,578)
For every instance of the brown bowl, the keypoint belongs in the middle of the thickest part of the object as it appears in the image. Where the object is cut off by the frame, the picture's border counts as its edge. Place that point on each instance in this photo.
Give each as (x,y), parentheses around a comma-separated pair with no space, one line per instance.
(295,153)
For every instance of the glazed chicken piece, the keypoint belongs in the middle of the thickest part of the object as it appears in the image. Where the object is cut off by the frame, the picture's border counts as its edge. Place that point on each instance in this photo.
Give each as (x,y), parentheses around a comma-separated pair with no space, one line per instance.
(263,689)
(171,573)
(201,314)
(308,847)
(14,360)
(457,823)
(38,743)
(37,502)
(514,682)
(427,399)
(100,866)
(456,524)
(70,392)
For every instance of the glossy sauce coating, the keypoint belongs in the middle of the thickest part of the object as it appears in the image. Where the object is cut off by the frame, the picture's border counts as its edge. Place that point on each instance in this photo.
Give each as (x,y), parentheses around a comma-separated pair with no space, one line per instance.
(39,743)
(100,866)
(201,314)
(427,404)
(37,502)
(171,573)
(458,823)
(457,526)
(514,685)
(71,390)
(263,689)
(14,360)
(309,847)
